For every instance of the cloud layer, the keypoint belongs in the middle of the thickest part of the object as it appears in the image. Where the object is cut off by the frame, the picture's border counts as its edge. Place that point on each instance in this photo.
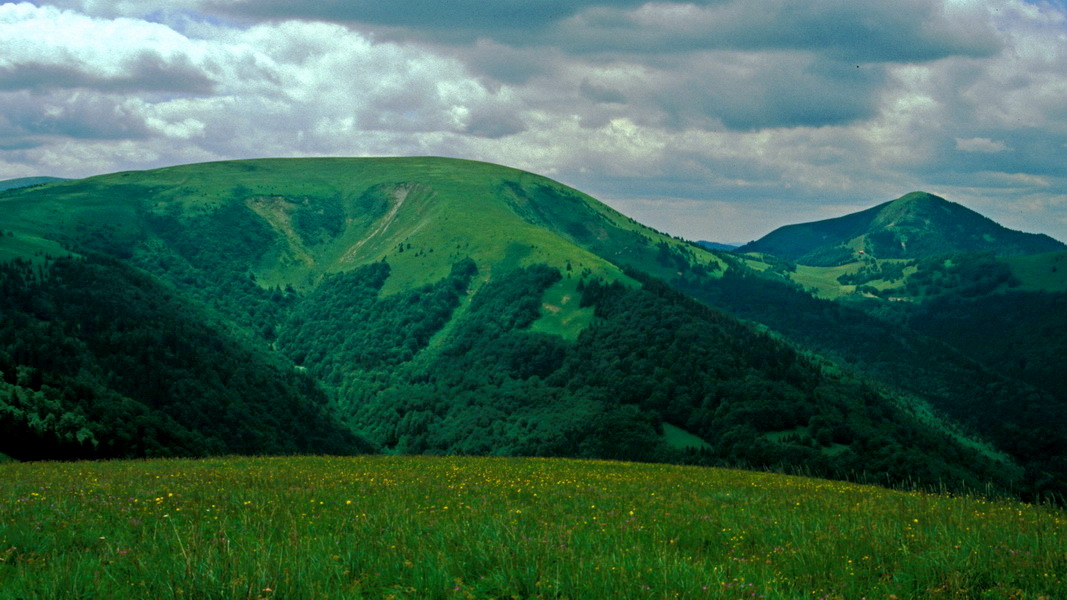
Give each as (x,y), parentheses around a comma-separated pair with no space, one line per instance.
(718,119)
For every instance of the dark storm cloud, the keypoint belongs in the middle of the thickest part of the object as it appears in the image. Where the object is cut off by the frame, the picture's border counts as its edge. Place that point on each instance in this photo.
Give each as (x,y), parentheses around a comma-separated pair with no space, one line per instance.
(715,90)
(806,64)
(150,71)
(40,77)
(1035,152)
(505,64)
(601,93)
(18,143)
(453,19)
(71,115)
(850,30)
(863,31)
(146,72)
(495,124)
(13,137)
(789,91)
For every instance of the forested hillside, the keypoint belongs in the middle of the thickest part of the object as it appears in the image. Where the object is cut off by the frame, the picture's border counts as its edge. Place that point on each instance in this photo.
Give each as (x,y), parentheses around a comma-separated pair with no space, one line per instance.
(1004,405)
(100,360)
(442,306)
(986,302)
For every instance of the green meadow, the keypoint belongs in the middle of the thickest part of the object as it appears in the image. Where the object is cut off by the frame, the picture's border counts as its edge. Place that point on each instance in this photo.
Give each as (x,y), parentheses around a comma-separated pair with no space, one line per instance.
(424,214)
(304,219)
(1040,272)
(435,527)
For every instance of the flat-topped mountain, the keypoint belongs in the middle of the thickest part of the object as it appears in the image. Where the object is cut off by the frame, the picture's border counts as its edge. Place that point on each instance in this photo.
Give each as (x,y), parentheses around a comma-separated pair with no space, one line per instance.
(917,225)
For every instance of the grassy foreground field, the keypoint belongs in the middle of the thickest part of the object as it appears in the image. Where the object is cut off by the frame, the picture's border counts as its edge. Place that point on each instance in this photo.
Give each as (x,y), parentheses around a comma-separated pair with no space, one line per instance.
(421,527)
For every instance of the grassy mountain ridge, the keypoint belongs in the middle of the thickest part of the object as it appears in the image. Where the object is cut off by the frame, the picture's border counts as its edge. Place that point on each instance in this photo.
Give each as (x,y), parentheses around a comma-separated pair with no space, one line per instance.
(916,225)
(331,215)
(338,213)
(455,306)
(9,184)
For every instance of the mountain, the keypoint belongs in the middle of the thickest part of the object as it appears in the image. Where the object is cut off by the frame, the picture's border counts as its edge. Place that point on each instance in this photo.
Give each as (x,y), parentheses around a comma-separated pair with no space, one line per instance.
(1007,387)
(956,290)
(427,305)
(932,313)
(10,184)
(717,246)
(101,360)
(916,225)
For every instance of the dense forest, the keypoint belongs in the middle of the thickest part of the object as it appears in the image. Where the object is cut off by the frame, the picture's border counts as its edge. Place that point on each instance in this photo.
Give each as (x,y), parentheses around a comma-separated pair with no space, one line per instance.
(99,360)
(439,306)
(652,356)
(1008,406)
(1022,347)
(962,299)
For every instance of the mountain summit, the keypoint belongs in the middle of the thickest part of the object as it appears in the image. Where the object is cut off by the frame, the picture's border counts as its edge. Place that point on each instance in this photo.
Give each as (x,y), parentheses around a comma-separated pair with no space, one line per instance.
(408,305)
(916,225)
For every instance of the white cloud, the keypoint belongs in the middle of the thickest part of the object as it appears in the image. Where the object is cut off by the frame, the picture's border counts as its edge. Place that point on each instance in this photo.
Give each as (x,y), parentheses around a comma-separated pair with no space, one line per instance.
(100,50)
(763,112)
(284,89)
(981,144)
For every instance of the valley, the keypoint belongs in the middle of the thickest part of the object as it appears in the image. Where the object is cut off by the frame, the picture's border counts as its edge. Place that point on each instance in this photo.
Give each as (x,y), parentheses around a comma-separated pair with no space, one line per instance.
(443,306)
(438,358)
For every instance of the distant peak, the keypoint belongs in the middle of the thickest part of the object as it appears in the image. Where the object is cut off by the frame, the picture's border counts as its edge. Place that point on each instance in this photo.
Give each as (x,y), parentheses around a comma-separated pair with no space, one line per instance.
(916,225)
(21,182)
(917,205)
(919,197)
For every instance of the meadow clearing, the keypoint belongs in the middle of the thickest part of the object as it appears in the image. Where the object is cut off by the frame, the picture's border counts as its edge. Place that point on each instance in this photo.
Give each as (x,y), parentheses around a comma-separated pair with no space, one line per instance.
(467,528)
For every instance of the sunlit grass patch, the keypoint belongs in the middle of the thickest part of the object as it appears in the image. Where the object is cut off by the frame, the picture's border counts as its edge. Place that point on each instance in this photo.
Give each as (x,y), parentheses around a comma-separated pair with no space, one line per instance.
(561,313)
(29,248)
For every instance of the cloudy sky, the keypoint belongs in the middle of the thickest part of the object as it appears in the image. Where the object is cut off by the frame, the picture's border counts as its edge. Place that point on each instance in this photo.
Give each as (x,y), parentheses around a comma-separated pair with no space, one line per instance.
(711,119)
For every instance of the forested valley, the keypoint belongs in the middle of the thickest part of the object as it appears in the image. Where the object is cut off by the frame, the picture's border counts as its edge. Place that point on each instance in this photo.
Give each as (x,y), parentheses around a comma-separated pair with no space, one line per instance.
(446,307)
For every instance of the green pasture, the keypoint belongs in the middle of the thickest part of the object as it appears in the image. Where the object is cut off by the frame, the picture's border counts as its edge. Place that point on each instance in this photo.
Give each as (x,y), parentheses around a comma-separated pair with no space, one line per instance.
(482,528)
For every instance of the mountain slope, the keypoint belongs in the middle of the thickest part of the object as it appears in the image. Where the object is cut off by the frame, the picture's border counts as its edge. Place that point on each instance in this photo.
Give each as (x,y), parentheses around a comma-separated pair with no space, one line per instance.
(1007,386)
(1005,403)
(99,360)
(454,306)
(717,245)
(10,184)
(321,216)
(917,225)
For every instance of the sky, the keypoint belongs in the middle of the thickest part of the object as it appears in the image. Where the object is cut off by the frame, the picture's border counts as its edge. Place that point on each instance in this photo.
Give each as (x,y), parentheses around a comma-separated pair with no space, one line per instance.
(712,120)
